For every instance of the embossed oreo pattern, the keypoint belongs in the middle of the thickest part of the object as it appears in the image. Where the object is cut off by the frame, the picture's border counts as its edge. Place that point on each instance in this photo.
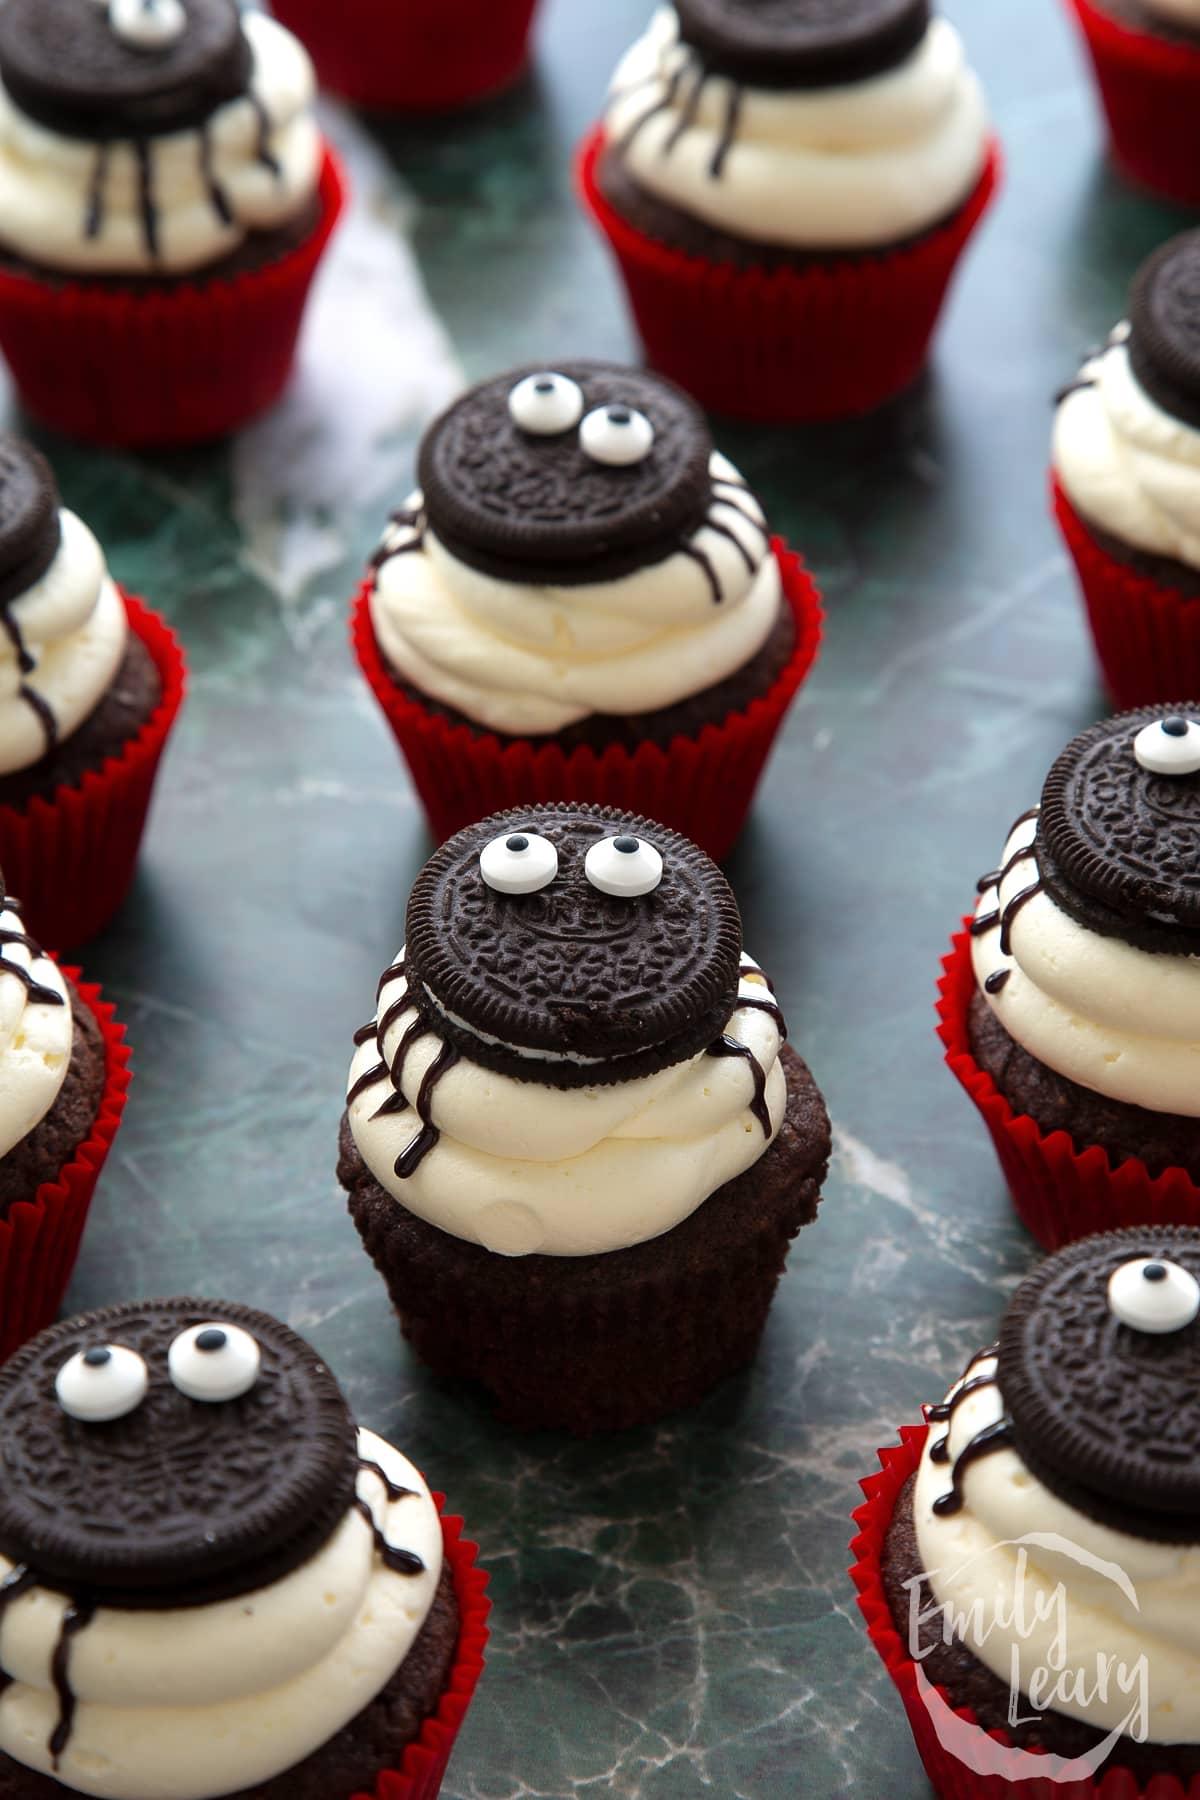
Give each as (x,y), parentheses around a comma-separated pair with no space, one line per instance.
(1164,317)
(802,43)
(29,527)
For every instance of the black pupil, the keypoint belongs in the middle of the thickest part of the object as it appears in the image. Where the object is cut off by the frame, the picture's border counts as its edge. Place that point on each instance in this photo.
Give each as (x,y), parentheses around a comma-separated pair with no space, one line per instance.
(619,415)
(544,386)
(626,845)
(1154,1272)
(516,844)
(1175,727)
(211,1340)
(97,1358)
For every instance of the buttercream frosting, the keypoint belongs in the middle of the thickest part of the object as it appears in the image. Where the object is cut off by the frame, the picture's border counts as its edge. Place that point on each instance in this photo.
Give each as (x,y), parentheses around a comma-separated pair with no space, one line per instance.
(35,1031)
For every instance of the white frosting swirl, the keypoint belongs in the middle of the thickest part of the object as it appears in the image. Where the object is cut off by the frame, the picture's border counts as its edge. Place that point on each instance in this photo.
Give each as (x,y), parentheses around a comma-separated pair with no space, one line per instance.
(1122,1021)
(35,1035)
(192,1703)
(522,1168)
(1025,1603)
(1124,463)
(524,659)
(48,182)
(868,163)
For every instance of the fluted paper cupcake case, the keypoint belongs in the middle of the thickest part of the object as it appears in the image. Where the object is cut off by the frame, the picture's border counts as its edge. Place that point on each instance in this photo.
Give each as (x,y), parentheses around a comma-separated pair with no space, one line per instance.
(1060,1192)
(39,1238)
(1147,636)
(1150,91)
(70,859)
(417,56)
(787,345)
(975,1764)
(701,786)
(116,366)
(420,1774)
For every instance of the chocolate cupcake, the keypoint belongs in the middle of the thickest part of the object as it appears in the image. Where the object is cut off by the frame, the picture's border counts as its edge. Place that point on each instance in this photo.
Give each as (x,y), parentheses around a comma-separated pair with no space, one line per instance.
(1126,467)
(583,597)
(1071,1012)
(1146,58)
(211,1582)
(93,686)
(576,1143)
(1029,1577)
(164,197)
(787,188)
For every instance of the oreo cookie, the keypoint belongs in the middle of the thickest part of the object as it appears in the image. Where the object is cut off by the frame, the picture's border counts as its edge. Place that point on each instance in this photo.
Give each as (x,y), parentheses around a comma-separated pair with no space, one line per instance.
(1164,321)
(29,525)
(64,65)
(1105,1414)
(1118,845)
(176,1501)
(568,984)
(802,43)
(537,504)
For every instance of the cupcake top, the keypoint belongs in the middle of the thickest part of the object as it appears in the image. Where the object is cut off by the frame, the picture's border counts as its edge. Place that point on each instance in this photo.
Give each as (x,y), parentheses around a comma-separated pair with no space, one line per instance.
(1066,1463)
(36,1028)
(572,1051)
(206,1570)
(1127,432)
(576,546)
(148,136)
(801,125)
(1086,937)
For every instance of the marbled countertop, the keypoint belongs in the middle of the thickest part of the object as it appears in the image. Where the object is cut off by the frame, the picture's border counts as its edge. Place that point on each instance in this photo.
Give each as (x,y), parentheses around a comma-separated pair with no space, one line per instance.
(672,1617)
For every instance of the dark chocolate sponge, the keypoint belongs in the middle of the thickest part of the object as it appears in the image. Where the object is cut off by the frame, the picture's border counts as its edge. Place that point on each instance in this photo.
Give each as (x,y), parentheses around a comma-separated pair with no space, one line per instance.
(802,43)
(29,527)
(117,718)
(1106,1416)
(534,508)
(1118,848)
(64,65)
(181,1502)
(1164,317)
(645,982)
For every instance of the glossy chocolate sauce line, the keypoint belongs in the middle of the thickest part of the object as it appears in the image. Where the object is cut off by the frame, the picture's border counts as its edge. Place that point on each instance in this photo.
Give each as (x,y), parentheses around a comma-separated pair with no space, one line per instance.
(1020,899)
(943,1413)
(400,1562)
(393,1489)
(365,1033)
(263,150)
(149,207)
(992,1437)
(771,1007)
(216,193)
(1079,386)
(410,1160)
(393,1014)
(17,639)
(368,1079)
(383,555)
(733,113)
(94,217)
(41,711)
(698,556)
(690,113)
(994,877)
(729,1046)
(724,500)
(395,1101)
(77,1618)
(664,100)
(997,980)
(727,531)
(390,974)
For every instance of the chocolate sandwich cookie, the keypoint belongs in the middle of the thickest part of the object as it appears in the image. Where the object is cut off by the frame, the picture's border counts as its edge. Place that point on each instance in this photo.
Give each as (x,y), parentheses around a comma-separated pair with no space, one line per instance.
(802,43)
(1164,336)
(29,526)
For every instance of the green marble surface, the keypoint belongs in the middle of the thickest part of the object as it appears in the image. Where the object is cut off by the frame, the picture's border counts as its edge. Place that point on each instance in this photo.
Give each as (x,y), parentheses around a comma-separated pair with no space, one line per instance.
(672,1618)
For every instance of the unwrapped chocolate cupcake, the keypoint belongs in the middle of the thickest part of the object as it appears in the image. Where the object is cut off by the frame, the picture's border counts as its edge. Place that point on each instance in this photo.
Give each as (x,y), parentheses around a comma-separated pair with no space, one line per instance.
(576,1143)
(1070,1010)
(165,196)
(1127,483)
(1146,58)
(212,1583)
(583,598)
(90,684)
(1025,1562)
(787,188)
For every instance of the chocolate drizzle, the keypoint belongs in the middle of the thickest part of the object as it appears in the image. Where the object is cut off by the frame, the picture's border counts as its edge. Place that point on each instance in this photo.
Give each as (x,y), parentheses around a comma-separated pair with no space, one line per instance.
(77,1618)
(729,1046)
(410,1160)
(149,206)
(993,1437)
(705,563)
(691,64)
(415,1152)
(400,1562)
(997,1436)
(38,993)
(1004,917)
(394,1490)
(996,981)
(263,150)
(410,518)
(216,193)
(725,143)
(42,712)
(94,217)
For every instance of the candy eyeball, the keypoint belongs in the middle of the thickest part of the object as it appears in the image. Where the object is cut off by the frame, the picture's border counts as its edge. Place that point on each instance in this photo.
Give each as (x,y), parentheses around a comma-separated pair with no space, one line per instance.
(1153,1295)
(1169,746)
(214,1362)
(520,862)
(147,24)
(546,404)
(102,1383)
(623,866)
(617,435)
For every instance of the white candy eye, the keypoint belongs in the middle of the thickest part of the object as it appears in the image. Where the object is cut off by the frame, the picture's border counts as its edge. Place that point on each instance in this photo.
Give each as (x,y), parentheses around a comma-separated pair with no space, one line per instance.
(1153,1295)
(1170,746)
(625,866)
(521,862)
(546,404)
(214,1362)
(102,1383)
(147,24)
(616,435)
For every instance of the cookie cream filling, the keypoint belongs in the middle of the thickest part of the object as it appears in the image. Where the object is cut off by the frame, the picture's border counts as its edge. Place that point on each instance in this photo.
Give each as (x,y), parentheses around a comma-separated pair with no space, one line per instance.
(1035,1586)
(1122,1021)
(526,659)
(523,1168)
(849,167)
(173,203)
(192,1703)
(36,1031)
(1125,464)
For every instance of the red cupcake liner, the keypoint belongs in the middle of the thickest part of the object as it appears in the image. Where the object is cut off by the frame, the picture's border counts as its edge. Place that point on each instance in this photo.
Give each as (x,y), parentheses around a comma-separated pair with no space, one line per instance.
(1060,1193)
(1150,90)
(70,859)
(701,786)
(416,56)
(425,1759)
(962,1761)
(39,1238)
(786,345)
(1147,636)
(118,367)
